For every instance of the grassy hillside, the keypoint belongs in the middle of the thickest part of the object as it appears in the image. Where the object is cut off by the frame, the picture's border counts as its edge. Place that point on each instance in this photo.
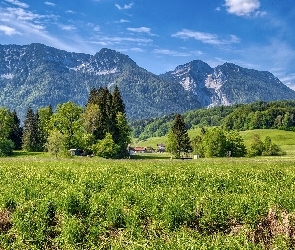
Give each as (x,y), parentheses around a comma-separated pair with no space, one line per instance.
(285,139)
(279,137)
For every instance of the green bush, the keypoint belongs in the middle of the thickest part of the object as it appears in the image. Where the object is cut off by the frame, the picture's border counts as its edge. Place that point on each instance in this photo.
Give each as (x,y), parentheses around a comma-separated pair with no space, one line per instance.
(6,147)
(106,147)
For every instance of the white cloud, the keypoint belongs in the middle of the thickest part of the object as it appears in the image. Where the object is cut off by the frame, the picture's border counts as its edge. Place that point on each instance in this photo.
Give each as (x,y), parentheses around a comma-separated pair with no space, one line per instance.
(206,38)
(22,14)
(37,26)
(101,43)
(8,30)
(122,21)
(125,7)
(137,49)
(49,3)
(96,28)
(170,52)
(277,54)
(242,7)
(289,80)
(260,13)
(18,3)
(67,27)
(29,26)
(70,11)
(196,52)
(142,30)
(106,40)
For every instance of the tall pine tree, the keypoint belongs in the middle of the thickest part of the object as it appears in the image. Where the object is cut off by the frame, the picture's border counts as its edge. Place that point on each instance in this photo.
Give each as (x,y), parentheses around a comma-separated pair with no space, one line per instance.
(44,118)
(16,132)
(31,138)
(118,104)
(181,136)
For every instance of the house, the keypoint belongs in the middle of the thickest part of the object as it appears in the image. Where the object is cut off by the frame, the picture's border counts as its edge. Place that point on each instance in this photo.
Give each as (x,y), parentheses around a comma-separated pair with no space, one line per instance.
(150,149)
(161,148)
(77,152)
(138,150)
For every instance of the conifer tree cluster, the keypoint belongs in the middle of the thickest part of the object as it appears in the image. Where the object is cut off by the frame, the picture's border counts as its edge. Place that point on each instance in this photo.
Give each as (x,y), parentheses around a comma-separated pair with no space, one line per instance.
(31,137)
(105,115)
(100,128)
(10,132)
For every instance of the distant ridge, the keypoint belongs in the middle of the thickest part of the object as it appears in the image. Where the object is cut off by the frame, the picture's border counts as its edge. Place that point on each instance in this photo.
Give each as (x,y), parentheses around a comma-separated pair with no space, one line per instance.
(36,75)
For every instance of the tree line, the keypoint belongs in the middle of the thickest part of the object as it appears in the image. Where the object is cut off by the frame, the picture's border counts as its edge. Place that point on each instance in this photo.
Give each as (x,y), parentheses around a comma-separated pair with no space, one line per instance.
(257,115)
(215,142)
(100,128)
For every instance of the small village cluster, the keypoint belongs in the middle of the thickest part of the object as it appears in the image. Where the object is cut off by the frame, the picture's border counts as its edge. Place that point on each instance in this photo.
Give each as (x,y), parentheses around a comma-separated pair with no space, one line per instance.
(161,148)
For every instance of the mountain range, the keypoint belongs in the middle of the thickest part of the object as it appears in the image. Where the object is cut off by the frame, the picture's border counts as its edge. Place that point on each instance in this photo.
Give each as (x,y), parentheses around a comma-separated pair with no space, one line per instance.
(36,75)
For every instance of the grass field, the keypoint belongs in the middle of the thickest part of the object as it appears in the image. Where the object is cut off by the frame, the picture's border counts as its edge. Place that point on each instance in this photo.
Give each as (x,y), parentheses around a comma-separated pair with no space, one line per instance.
(149,202)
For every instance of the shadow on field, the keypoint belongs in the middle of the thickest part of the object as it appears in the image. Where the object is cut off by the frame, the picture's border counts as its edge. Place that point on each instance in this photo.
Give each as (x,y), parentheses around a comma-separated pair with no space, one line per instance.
(26,154)
(147,156)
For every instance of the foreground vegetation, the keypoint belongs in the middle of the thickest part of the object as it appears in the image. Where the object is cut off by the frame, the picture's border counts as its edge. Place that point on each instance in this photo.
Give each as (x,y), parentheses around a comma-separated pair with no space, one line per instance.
(93,203)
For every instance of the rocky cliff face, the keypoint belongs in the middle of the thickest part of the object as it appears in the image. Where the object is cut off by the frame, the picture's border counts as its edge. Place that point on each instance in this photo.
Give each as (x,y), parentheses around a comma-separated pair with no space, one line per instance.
(228,84)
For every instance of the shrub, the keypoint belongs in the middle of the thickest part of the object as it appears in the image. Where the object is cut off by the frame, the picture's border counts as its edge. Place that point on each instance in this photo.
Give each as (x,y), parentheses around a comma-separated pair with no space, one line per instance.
(106,147)
(6,147)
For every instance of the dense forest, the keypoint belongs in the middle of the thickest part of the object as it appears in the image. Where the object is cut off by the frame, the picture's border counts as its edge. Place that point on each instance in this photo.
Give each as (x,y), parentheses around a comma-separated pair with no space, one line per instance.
(260,114)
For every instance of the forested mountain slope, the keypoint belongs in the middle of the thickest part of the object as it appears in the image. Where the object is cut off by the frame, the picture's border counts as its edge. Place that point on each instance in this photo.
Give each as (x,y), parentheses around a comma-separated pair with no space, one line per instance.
(36,75)
(276,114)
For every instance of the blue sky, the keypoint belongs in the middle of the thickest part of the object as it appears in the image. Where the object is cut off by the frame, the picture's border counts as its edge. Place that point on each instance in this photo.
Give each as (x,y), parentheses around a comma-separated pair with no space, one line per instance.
(162,34)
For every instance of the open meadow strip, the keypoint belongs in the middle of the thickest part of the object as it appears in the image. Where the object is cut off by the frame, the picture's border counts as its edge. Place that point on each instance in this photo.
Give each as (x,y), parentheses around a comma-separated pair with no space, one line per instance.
(84,203)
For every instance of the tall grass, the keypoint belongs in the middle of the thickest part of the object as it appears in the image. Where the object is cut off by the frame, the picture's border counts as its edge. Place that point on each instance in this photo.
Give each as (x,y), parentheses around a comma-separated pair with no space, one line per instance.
(86,203)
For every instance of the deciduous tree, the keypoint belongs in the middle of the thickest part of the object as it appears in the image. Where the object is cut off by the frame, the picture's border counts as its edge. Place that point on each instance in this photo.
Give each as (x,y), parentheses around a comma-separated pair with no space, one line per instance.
(235,144)
(106,147)
(171,145)
(256,148)
(6,123)
(68,121)
(44,114)
(214,143)
(124,133)
(56,143)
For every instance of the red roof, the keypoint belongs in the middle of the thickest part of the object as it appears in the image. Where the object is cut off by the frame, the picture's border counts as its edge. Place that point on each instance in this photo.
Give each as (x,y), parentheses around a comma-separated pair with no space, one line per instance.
(139,149)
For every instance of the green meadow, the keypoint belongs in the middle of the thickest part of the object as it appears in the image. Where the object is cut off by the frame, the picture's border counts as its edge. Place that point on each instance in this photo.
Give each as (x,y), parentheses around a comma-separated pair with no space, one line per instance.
(149,201)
